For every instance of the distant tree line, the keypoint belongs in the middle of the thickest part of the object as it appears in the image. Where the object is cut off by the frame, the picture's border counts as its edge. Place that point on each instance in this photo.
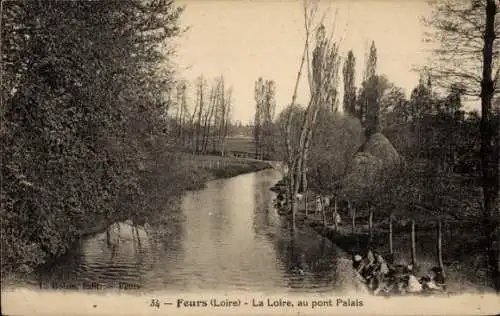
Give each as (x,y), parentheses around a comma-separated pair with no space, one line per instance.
(202,124)
(265,107)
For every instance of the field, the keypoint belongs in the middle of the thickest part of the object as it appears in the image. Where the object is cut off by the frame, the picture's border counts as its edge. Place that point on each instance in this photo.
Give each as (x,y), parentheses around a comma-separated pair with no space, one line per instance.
(206,167)
(237,144)
(242,144)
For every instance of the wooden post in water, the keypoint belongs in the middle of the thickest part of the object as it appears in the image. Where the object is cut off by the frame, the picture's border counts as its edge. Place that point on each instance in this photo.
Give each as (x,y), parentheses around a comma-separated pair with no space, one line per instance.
(413,244)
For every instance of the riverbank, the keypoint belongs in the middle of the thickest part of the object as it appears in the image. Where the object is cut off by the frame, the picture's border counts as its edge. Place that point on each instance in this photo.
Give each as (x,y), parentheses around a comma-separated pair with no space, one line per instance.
(462,257)
(163,186)
(201,169)
(206,168)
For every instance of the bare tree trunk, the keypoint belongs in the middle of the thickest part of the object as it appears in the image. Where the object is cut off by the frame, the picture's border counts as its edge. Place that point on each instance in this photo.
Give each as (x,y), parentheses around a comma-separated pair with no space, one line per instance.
(200,111)
(304,175)
(439,245)
(210,117)
(182,115)
(391,249)
(193,131)
(227,108)
(206,123)
(291,158)
(178,112)
(335,214)
(413,244)
(222,117)
(297,167)
(489,151)
(257,141)
(323,212)
(216,119)
(370,224)
(353,214)
(305,204)
(334,210)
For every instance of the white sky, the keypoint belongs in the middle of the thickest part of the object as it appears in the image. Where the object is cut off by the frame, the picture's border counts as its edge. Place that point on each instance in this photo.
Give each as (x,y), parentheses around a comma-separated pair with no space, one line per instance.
(246,39)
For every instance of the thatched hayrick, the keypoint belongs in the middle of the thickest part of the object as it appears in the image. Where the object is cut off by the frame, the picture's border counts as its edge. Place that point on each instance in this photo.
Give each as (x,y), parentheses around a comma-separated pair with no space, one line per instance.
(371,167)
(379,146)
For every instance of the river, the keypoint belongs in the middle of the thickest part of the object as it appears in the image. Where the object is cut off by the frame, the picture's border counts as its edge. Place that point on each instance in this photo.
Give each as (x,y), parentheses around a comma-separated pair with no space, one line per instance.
(228,237)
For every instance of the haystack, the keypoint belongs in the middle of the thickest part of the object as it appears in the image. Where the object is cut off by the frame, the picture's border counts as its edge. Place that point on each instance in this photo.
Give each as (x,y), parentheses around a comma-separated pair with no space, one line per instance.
(379,146)
(371,166)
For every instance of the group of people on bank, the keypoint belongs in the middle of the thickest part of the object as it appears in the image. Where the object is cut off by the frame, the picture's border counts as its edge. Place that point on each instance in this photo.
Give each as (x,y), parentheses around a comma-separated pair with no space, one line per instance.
(378,275)
(384,278)
(322,203)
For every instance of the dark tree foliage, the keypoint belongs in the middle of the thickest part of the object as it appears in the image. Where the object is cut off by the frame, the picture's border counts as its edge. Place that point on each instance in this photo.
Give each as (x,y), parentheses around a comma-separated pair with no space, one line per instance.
(367,91)
(349,84)
(81,109)
(468,55)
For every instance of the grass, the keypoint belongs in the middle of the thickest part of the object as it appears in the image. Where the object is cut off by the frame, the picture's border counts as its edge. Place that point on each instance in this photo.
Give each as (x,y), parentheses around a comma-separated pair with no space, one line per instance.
(217,167)
(240,144)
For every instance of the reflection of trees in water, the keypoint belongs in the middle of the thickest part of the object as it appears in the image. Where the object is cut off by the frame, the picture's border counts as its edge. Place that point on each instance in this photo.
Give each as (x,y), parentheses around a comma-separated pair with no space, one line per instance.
(308,259)
(218,218)
(62,270)
(263,197)
(262,205)
(165,231)
(126,255)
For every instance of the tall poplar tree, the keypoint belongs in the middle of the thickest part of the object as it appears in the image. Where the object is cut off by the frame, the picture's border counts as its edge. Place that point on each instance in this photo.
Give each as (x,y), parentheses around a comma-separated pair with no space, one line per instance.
(349,72)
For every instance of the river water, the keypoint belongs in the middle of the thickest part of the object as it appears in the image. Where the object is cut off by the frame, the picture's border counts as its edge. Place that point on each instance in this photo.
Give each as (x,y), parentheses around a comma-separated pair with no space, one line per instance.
(228,237)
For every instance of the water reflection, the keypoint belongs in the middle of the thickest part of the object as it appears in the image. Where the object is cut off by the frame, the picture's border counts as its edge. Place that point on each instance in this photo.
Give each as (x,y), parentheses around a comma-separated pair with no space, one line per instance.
(229,237)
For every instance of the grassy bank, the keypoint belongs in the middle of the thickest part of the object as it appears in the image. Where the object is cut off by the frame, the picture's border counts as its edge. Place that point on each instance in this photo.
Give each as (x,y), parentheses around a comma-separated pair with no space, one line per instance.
(199,170)
(210,167)
(463,258)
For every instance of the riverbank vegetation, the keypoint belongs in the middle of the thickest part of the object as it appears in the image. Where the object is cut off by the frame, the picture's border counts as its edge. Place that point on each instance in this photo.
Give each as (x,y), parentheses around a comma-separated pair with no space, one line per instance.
(417,169)
(218,167)
(82,134)
(95,123)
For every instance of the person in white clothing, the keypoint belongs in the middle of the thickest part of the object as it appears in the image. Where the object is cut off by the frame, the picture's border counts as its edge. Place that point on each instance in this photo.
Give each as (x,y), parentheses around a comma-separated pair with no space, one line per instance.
(414,286)
(319,205)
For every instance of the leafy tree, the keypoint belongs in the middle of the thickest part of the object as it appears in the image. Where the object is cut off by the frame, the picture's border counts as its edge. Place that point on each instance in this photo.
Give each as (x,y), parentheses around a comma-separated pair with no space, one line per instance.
(422,98)
(264,115)
(335,140)
(368,93)
(348,71)
(372,94)
(395,107)
(81,106)
(468,55)
(281,126)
